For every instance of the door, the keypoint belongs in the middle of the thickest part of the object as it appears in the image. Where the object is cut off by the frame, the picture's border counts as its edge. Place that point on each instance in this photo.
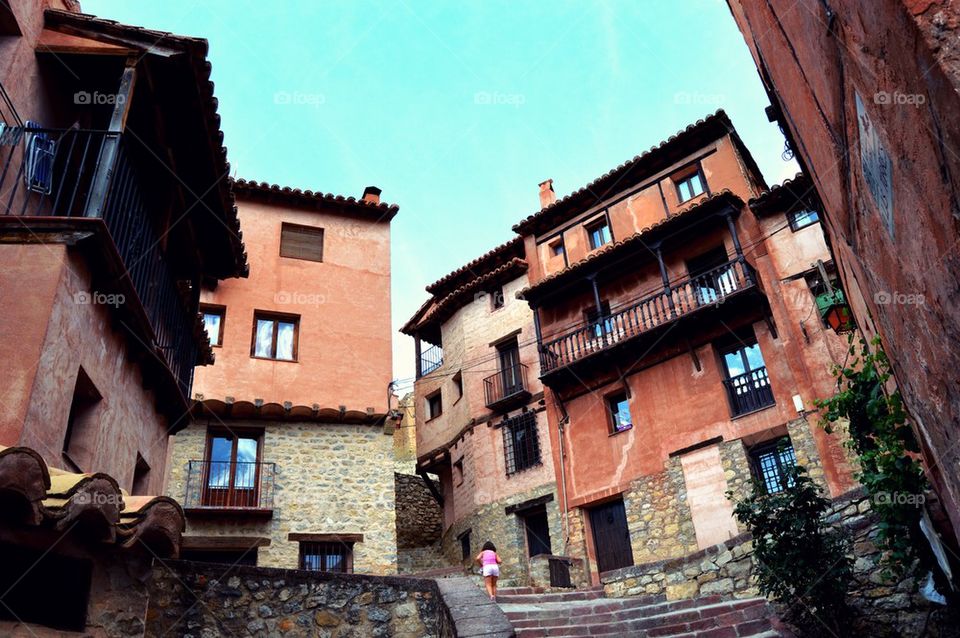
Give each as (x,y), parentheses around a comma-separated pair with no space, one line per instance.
(232,474)
(538,532)
(510,368)
(611,536)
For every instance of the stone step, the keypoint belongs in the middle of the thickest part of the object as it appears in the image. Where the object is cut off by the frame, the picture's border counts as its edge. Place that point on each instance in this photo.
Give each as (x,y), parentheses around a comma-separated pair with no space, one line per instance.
(552,597)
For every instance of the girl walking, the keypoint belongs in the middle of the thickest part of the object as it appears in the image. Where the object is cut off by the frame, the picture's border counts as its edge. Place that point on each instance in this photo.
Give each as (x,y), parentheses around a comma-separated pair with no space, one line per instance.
(490,563)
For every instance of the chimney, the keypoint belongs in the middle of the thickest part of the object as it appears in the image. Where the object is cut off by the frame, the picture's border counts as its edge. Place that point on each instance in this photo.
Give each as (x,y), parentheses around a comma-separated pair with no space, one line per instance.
(547,196)
(371,194)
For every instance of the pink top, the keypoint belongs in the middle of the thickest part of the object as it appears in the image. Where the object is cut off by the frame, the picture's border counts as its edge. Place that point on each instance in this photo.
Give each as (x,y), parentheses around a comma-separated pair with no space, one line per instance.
(488,557)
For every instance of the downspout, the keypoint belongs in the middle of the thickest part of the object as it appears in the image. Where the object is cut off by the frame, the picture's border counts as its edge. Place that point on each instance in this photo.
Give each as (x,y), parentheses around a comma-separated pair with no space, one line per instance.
(561,424)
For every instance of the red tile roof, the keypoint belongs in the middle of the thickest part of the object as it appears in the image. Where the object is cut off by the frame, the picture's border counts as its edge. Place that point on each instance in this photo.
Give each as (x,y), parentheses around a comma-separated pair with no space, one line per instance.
(250,189)
(287,411)
(793,192)
(479,266)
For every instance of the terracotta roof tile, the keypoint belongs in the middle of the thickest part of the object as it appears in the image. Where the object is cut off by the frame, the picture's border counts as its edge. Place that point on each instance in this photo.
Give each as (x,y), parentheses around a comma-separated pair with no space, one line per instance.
(794,190)
(377,211)
(287,411)
(482,263)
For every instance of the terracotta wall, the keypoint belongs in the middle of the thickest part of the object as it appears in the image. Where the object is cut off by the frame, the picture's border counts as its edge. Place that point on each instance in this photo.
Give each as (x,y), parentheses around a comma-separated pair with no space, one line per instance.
(51,329)
(893,56)
(345,357)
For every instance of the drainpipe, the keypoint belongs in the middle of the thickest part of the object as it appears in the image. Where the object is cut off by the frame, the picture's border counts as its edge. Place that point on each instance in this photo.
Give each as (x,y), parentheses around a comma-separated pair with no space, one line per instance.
(561,425)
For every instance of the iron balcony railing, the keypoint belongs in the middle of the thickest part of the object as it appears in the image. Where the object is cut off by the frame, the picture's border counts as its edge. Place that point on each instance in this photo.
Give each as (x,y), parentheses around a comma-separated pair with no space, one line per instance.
(685,297)
(430,360)
(89,173)
(234,485)
(509,383)
(749,391)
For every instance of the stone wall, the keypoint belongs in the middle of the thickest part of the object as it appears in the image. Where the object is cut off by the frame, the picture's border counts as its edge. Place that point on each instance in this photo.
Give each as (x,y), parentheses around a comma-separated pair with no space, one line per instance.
(658,515)
(726,569)
(199,599)
(419,517)
(330,479)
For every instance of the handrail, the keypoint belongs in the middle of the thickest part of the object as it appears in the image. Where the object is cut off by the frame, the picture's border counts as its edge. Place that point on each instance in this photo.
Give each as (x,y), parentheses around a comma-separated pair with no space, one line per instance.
(229,485)
(508,382)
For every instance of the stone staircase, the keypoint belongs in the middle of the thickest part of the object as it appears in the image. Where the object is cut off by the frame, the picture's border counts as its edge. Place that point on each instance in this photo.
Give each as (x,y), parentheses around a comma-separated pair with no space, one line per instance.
(535,613)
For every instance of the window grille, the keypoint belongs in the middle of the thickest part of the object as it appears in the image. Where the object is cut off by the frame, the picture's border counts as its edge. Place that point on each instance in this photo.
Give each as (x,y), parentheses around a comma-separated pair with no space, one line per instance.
(521,445)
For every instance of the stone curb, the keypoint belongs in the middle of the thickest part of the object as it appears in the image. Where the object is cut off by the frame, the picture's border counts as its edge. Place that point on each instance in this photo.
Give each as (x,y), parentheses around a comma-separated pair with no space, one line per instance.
(471,611)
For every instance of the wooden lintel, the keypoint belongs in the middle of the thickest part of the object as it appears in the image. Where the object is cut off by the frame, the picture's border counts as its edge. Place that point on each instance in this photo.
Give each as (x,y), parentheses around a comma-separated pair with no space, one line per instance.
(325,538)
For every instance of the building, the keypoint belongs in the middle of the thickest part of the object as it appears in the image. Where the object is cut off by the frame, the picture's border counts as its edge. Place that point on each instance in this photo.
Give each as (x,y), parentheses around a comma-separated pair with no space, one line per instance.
(289,462)
(876,127)
(481,419)
(113,214)
(680,345)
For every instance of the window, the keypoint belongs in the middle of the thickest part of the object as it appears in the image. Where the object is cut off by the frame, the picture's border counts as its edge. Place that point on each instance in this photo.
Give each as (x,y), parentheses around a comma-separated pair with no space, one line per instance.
(458,473)
(275,336)
(511,378)
(537,526)
(213,318)
(232,473)
(748,386)
(556,248)
(458,384)
(301,242)
(770,462)
(802,218)
(464,539)
(434,405)
(326,556)
(496,298)
(521,445)
(618,408)
(691,185)
(80,440)
(599,233)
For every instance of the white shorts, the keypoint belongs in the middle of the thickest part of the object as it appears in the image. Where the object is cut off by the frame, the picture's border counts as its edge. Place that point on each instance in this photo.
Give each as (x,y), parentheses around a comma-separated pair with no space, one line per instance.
(491,570)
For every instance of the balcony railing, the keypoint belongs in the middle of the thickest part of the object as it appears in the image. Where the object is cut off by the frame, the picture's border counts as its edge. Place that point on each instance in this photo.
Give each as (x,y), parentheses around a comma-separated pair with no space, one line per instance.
(749,392)
(226,485)
(510,384)
(653,311)
(89,173)
(430,360)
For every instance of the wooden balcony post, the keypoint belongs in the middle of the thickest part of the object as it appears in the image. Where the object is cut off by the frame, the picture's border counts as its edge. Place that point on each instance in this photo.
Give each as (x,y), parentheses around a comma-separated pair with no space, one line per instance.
(666,280)
(416,346)
(100,184)
(737,247)
(599,303)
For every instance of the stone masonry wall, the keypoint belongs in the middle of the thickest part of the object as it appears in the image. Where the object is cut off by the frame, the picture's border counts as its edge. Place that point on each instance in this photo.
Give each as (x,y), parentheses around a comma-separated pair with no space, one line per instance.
(726,569)
(419,517)
(330,478)
(658,515)
(198,599)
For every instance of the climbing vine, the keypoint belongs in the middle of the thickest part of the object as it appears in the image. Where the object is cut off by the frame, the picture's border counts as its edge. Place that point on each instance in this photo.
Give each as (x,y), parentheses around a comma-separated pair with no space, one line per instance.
(885,445)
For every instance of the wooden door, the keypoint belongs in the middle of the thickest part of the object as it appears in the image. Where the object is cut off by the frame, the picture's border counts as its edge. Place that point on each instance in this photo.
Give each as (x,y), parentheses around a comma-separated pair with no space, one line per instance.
(232,471)
(611,536)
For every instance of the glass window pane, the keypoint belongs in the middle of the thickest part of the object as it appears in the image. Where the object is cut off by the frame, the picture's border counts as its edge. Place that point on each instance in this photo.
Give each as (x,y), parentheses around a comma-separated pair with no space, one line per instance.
(620,410)
(246,470)
(221,449)
(754,357)
(211,322)
(734,363)
(264,338)
(285,341)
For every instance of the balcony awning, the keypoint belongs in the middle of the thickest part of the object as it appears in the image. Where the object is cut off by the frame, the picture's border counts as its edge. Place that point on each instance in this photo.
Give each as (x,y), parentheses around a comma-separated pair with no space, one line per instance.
(92,505)
(717,202)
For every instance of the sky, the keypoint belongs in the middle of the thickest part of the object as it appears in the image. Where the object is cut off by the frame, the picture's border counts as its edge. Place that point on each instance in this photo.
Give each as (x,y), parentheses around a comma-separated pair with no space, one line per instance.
(458,110)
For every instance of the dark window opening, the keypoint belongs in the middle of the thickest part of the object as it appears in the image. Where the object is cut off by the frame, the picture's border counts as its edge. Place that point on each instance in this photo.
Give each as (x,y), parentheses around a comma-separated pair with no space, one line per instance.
(44,587)
(691,185)
(213,320)
(537,527)
(769,463)
(599,233)
(709,276)
(141,477)
(508,355)
(434,405)
(496,298)
(80,441)
(458,473)
(275,336)
(521,444)
(802,218)
(458,383)
(224,557)
(301,242)
(556,248)
(464,539)
(748,386)
(600,320)
(326,556)
(618,408)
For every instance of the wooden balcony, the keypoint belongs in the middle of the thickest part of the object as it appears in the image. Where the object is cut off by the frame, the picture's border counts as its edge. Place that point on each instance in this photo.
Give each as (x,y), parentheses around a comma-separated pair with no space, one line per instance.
(749,392)
(506,388)
(690,296)
(216,487)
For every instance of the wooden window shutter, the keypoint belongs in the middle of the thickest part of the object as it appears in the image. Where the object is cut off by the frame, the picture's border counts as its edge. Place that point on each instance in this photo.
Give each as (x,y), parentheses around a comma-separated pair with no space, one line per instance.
(301,242)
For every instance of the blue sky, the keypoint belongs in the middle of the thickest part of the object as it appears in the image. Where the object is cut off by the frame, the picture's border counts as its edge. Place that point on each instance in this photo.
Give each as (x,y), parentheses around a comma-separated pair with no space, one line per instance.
(457,110)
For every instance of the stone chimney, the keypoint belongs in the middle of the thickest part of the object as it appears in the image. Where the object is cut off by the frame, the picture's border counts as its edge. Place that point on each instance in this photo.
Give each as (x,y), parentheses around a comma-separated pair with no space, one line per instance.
(371,194)
(547,196)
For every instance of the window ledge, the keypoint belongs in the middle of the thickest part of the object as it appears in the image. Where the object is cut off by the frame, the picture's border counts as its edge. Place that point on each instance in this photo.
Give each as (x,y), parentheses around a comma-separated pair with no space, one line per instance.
(751,412)
(253,356)
(616,432)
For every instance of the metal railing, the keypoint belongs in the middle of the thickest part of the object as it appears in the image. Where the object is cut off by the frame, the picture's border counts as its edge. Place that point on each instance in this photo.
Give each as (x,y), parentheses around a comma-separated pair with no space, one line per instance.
(89,173)
(430,360)
(750,391)
(230,485)
(683,298)
(505,384)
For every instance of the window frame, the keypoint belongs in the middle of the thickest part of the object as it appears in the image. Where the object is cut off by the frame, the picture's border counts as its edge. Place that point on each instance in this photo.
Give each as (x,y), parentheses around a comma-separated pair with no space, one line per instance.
(275,317)
(613,400)
(776,447)
(511,426)
(557,248)
(594,225)
(684,177)
(221,311)
(310,230)
(235,435)
(438,395)
(344,551)
(807,212)
(497,300)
